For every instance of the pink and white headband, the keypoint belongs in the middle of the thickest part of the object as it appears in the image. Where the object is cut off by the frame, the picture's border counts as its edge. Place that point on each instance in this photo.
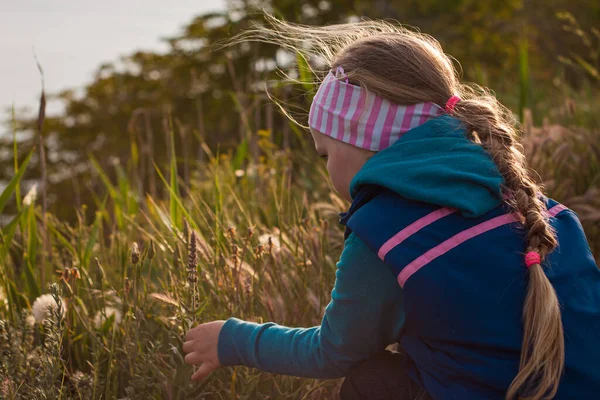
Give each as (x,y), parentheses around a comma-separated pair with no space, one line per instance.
(347,113)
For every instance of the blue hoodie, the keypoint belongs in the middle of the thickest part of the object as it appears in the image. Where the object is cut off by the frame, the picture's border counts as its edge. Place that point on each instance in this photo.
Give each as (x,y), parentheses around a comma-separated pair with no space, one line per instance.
(464,336)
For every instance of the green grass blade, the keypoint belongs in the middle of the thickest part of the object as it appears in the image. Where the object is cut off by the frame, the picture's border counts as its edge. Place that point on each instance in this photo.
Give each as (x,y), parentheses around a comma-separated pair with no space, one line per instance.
(16,299)
(111,189)
(120,205)
(6,235)
(174,198)
(8,231)
(34,289)
(32,247)
(241,154)
(32,234)
(64,241)
(10,188)
(91,242)
(305,73)
(124,184)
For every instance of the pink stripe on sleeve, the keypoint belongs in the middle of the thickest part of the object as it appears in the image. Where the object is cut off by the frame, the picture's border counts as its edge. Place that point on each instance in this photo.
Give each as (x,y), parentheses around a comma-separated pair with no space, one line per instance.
(412,229)
(462,237)
(556,209)
(451,243)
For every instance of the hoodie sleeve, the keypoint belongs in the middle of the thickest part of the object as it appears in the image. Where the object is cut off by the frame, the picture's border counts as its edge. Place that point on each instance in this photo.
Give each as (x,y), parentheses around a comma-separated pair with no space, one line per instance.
(365,315)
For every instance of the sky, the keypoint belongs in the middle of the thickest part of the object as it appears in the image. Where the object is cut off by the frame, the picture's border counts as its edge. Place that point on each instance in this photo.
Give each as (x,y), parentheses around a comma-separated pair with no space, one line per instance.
(72,38)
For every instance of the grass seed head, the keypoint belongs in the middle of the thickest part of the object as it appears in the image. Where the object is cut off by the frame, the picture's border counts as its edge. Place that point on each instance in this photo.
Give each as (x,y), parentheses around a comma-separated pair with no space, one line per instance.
(151,250)
(231,233)
(192,259)
(135,253)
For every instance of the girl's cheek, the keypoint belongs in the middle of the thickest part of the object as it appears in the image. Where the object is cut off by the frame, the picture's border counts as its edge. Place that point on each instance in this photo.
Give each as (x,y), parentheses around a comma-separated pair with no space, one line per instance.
(339,179)
(332,173)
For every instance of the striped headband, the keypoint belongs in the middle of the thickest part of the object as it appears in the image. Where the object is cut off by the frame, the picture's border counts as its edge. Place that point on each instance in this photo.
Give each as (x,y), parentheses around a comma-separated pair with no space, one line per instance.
(361,118)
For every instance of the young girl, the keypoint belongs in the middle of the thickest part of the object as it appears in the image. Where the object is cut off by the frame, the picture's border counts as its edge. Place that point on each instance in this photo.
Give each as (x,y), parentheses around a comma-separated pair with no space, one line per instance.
(451,250)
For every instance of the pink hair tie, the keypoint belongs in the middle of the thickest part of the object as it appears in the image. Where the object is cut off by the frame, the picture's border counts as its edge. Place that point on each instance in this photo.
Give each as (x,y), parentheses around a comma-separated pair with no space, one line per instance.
(451,103)
(532,258)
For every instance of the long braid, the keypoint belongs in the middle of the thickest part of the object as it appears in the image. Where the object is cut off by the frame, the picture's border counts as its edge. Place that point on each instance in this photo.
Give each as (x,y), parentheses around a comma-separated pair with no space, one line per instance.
(542,354)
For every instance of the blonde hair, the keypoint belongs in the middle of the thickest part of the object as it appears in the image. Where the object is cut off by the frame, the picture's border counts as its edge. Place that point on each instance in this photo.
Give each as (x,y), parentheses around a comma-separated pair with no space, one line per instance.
(408,67)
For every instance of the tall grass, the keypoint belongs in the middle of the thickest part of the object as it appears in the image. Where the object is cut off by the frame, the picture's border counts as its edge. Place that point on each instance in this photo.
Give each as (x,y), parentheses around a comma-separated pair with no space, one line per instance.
(246,242)
(256,240)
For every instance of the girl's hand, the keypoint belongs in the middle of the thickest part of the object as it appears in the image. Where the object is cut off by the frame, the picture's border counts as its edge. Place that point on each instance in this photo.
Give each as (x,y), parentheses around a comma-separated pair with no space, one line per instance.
(200,347)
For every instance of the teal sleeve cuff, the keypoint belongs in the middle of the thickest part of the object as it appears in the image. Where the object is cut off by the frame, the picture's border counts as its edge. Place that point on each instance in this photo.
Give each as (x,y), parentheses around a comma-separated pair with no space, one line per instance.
(236,338)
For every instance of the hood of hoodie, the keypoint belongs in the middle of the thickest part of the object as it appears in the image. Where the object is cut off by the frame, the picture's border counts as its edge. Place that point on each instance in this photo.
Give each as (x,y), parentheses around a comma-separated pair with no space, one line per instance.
(436,163)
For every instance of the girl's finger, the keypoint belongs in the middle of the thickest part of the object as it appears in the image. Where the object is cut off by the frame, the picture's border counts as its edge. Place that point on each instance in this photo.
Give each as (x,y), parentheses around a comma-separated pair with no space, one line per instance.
(194,358)
(196,345)
(193,333)
(203,372)
(188,346)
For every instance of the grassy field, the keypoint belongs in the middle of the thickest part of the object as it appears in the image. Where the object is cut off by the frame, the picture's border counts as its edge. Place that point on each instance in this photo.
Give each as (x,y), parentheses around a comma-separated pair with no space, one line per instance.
(98,309)
(248,242)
